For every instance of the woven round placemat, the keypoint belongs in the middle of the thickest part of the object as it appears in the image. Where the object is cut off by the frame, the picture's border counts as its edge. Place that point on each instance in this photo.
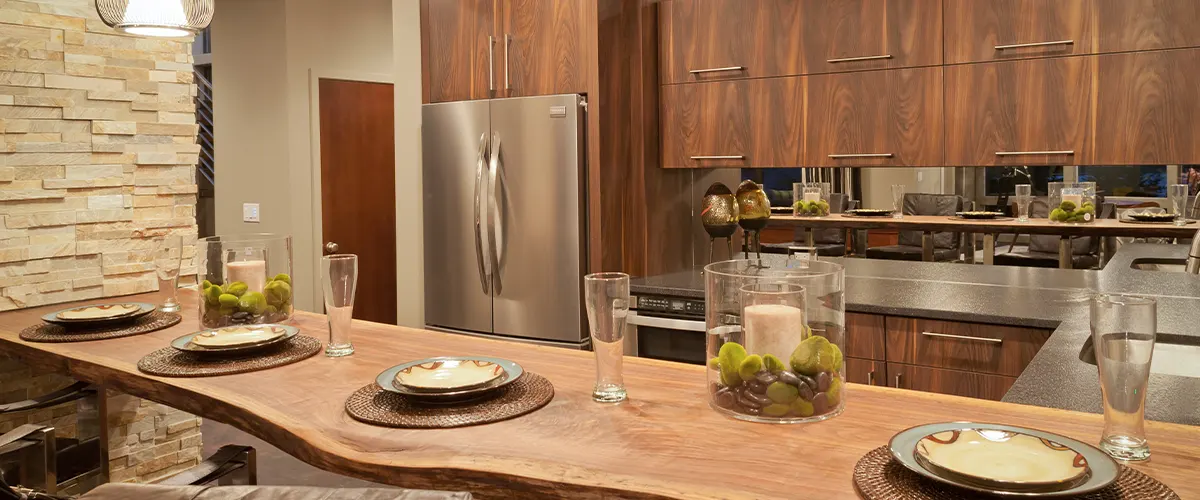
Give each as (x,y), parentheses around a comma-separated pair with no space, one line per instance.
(879,477)
(171,362)
(152,322)
(375,406)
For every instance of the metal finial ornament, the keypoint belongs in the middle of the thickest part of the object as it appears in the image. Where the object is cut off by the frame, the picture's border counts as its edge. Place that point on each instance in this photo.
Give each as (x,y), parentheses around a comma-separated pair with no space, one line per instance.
(158,18)
(719,216)
(754,213)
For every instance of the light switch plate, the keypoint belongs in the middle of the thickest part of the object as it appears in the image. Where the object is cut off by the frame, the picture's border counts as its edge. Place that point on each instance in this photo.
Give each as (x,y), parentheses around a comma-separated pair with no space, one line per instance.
(249,212)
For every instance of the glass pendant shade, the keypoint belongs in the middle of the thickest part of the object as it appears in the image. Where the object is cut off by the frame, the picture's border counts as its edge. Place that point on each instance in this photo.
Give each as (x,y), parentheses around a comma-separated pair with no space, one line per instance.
(159,18)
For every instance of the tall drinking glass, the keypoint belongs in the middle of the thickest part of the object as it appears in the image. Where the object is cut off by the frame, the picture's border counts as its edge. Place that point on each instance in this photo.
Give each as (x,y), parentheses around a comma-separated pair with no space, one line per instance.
(1123,331)
(1178,194)
(1024,198)
(607,299)
(339,278)
(897,201)
(168,256)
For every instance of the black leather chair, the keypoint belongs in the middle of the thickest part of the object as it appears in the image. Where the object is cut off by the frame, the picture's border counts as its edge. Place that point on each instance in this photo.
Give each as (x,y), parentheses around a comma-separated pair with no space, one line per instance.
(1043,248)
(829,242)
(946,246)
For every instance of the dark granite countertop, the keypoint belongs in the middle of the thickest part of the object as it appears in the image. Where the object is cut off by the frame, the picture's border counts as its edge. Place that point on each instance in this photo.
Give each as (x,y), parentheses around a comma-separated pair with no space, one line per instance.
(1045,298)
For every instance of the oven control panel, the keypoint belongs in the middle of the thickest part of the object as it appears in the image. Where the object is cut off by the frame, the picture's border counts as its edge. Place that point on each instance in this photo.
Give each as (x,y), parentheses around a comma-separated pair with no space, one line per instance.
(670,305)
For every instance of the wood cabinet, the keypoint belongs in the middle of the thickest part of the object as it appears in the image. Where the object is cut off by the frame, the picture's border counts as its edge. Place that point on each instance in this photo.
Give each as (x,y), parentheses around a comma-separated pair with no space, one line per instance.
(975,347)
(865,337)
(1031,112)
(705,40)
(851,35)
(1147,108)
(1017,29)
(866,371)
(876,118)
(942,381)
(541,48)
(457,57)
(740,123)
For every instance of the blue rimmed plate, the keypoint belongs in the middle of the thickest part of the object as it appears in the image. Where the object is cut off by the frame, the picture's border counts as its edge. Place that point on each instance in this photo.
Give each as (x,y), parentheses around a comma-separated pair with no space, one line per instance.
(389,380)
(234,339)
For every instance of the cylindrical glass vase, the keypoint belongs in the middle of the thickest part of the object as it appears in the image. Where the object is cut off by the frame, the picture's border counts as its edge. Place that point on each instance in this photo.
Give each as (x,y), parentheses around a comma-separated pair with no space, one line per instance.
(245,279)
(776,337)
(810,199)
(1072,202)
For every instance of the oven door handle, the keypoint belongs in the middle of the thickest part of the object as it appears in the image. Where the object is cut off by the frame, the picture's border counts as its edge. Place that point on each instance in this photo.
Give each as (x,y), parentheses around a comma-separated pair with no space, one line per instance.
(669,323)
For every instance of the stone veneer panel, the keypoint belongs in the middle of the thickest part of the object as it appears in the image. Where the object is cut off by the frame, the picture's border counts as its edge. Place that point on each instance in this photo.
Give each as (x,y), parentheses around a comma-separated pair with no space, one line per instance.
(97,158)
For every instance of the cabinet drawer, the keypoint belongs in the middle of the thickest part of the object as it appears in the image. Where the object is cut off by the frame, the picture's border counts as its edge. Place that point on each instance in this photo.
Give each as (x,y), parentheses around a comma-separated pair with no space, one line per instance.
(1034,112)
(705,40)
(941,381)
(1002,350)
(1147,108)
(852,35)
(866,372)
(865,336)
(875,118)
(741,123)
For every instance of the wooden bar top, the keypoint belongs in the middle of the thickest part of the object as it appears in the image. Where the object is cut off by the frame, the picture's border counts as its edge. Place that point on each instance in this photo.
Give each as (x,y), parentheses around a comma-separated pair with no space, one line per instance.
(1102,227)
(664,442)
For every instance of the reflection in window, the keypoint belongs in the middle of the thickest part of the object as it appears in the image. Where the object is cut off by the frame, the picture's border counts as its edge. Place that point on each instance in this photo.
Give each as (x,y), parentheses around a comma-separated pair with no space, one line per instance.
(1003,180)
(1190,175)
(1145,181)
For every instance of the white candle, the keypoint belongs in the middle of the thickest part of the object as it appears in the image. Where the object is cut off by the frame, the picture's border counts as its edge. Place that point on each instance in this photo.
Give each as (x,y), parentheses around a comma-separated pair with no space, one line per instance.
(772,329)
(1073,198)
(251,272)
(811,196)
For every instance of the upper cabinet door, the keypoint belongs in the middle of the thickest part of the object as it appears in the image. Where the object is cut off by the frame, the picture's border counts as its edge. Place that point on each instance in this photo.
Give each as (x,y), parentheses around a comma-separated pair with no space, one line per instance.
(847,35)
(456,53)
(741,123)
(542,48)
(1127,25)
(988,30)
(1148,108)
(1032,112)
(875,118)
(705,40)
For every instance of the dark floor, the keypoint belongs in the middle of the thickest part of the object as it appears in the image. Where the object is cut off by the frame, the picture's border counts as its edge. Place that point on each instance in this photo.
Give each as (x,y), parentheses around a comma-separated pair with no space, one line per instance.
(274,466)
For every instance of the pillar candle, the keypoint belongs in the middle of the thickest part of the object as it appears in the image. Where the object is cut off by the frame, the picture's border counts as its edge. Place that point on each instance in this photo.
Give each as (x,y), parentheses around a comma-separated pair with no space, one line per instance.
(251,272)
(811,196)
(772,329)
(1073,198)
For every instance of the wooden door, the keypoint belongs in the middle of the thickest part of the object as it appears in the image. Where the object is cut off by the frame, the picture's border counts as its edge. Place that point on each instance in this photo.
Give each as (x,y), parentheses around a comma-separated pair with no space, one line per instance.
(541,46)
(1148,108)
(457,58)
(865,336)
(992,30)
(358,188)
(850,35)
(866,372)
(875,118)
(1031,112)
(742,123)
(705,40)
(942,381)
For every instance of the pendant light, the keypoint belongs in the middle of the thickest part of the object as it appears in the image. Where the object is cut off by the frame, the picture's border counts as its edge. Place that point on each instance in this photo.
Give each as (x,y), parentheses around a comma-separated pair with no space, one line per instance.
(158,18)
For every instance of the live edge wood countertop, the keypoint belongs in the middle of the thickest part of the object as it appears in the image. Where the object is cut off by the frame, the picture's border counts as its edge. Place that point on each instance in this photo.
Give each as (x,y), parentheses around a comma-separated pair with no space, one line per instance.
(663,443)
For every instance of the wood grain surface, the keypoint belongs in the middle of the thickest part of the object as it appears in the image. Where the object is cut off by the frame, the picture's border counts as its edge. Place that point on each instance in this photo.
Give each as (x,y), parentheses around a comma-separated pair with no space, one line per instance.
(665,442)
(974,28)
(865,336)
(761,36)
(910,31)
(454,48)
(1147,107)
(951,382)
(908,342)
(1102,227)
(545,54)
(759,120)
(866,371)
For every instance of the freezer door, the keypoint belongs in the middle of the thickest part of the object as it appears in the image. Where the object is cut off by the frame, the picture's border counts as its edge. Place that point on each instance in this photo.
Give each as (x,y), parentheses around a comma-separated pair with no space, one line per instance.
(457,282)
(537,221)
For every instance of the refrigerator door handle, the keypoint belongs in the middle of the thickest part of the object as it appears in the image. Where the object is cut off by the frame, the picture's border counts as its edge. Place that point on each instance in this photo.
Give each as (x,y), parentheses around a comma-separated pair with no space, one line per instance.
(495,218)
(483,272)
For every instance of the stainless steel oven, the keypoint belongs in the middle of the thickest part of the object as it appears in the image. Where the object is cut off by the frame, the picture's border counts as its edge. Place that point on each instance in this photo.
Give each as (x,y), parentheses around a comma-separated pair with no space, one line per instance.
(667,328)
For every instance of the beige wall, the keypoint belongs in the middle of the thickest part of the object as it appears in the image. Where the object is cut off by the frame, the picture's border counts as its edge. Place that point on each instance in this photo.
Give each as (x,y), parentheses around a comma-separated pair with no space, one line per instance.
(406,39)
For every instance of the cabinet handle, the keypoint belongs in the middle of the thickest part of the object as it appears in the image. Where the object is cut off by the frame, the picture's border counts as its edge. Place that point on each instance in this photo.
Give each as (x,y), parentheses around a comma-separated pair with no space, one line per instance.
(491,63)
(962,337)
(716,70)
(729,157)
(1034,44)
(861,155)
(1022,153)
(898,380)
(507,41)
(871,377)
(862,58)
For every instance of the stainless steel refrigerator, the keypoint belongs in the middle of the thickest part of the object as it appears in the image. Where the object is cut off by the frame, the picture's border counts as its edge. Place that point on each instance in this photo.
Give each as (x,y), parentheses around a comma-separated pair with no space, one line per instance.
(505,218)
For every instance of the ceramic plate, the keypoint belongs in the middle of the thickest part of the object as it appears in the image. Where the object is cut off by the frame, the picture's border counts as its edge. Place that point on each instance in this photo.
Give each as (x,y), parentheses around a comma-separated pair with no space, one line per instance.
(978,215)
(1002,459)
(869,212)
(1103,470)
(510,373)
(449,374)
(234,338)
(1151,217)
(99,314)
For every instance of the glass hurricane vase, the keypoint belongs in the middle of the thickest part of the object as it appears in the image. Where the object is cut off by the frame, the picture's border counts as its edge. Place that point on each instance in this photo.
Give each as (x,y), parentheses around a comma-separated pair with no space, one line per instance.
(245,279)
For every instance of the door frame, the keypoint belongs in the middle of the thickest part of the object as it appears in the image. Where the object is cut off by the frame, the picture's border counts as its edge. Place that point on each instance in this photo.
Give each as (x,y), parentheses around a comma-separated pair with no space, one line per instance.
(314,238)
